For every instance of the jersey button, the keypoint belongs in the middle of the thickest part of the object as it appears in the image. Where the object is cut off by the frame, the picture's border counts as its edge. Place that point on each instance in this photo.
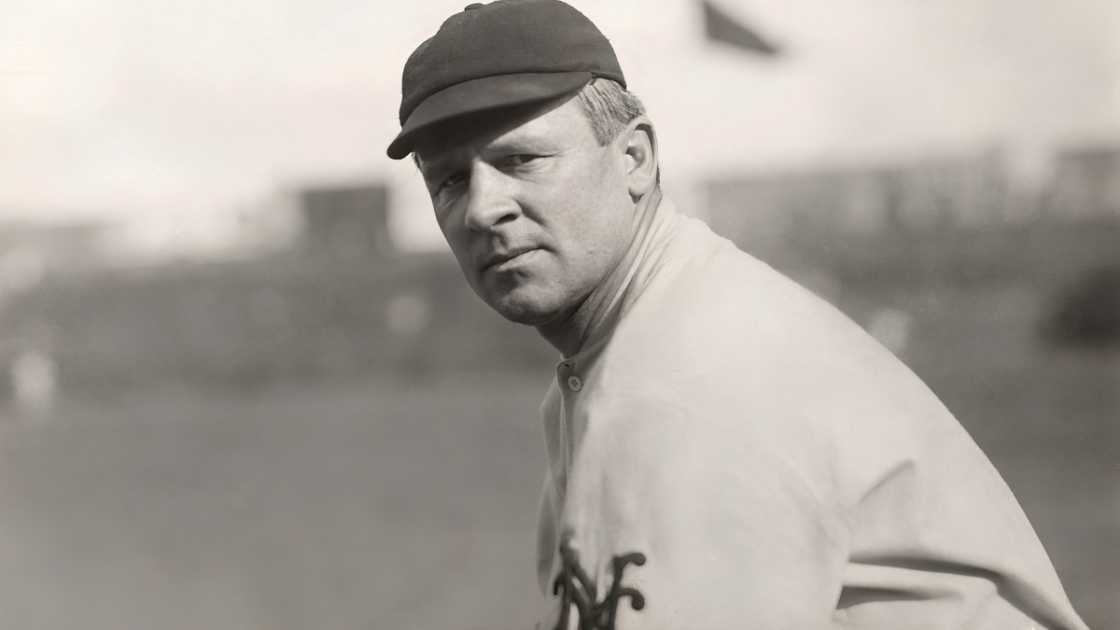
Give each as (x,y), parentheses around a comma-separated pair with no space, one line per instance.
(574,383)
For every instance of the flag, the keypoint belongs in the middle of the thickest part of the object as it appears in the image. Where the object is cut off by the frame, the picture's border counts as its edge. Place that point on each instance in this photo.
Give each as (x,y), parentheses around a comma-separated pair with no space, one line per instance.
(719,26)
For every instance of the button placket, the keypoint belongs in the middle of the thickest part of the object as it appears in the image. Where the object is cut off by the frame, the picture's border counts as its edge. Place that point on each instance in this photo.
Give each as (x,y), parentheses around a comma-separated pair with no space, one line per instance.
(565,373)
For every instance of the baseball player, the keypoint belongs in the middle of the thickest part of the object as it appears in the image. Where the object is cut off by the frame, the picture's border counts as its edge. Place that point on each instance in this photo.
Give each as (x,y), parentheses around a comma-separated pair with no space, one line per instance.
(725,450)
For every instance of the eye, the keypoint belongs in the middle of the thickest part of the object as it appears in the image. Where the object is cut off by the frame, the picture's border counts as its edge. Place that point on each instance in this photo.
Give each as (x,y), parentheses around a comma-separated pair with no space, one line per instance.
(451,182)
(519,159)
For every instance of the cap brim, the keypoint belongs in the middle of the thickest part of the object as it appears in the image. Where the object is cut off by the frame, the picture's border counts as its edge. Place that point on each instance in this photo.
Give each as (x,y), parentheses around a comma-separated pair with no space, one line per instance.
(479,95)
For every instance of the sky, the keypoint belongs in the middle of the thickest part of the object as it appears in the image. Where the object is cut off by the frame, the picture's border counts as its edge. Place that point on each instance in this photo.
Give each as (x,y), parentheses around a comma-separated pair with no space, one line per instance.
(179,111)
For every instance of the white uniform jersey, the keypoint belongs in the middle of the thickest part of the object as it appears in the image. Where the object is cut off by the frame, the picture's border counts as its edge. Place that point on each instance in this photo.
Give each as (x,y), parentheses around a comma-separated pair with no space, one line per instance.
(729,451)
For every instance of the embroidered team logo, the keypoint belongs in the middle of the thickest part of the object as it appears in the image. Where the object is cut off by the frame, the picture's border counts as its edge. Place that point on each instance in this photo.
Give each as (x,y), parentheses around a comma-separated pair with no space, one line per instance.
(576,589)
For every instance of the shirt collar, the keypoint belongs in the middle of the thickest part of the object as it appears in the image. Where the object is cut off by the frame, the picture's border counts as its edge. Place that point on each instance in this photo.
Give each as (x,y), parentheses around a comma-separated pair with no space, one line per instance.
(608,303)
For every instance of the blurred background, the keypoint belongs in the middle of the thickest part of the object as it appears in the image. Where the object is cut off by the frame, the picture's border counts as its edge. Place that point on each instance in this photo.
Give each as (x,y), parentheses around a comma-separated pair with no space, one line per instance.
(242,385)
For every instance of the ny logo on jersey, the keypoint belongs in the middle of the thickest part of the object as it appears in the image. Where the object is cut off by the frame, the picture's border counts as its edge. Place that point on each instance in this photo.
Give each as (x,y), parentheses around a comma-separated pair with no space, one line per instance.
(576,588)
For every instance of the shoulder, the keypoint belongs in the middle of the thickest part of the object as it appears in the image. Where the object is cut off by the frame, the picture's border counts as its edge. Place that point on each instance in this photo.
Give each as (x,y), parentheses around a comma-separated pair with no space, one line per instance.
(749,359)
(713,310)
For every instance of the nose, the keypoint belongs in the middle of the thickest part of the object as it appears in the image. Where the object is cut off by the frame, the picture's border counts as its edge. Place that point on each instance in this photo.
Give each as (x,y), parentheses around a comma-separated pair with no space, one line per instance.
(490,201)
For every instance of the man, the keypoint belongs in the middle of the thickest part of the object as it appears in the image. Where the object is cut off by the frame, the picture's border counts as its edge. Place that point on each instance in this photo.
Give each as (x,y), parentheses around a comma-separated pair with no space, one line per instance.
(726,450)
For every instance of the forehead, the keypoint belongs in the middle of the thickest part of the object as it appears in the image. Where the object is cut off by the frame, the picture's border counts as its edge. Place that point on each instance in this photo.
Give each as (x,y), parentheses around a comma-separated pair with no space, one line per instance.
(553,128)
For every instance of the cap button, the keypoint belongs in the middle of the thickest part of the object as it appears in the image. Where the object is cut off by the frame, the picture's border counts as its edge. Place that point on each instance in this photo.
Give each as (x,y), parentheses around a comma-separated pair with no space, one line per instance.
(474,5)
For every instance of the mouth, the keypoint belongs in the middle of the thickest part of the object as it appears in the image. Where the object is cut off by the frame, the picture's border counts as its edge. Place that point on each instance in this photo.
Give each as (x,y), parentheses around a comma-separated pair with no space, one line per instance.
(499,261)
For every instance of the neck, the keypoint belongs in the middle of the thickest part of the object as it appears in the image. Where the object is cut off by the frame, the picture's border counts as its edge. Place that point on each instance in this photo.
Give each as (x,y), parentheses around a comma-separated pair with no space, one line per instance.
(571,333)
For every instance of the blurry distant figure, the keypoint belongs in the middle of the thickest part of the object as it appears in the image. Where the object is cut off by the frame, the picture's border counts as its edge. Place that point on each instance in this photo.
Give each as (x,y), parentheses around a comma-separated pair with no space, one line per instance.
(1087,313)
(31,375)
(34,382)
(892,328)
(725,449)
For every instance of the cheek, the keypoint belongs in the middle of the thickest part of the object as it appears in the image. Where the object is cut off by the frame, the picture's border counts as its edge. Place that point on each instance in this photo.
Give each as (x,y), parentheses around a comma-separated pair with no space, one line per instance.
(446,220)
(599,199)
(605,218)
(457,243)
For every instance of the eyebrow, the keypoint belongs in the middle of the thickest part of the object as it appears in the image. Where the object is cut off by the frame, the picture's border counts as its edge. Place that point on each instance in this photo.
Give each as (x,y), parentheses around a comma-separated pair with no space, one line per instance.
(516,144)
(434,165)
(499,146)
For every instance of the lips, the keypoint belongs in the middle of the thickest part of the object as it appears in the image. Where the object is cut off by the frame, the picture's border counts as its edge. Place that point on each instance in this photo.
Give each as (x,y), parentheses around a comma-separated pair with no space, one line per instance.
(497,258)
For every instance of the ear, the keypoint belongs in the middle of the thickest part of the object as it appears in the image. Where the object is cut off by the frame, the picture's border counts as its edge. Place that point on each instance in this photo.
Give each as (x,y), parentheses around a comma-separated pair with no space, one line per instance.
(640,154)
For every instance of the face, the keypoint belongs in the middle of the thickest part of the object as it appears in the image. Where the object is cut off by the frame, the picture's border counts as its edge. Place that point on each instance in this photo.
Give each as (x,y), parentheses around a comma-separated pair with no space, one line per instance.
(537,214)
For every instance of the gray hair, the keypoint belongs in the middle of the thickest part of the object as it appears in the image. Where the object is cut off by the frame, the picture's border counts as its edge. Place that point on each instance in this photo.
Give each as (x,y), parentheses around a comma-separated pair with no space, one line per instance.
(609,107)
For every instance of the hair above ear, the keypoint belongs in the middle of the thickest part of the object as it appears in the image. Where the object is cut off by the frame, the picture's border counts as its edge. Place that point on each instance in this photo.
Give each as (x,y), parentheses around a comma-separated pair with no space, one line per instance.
(609,107)
(616,114)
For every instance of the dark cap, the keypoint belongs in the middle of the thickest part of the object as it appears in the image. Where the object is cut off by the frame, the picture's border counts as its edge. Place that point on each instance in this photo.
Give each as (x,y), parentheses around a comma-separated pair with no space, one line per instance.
(506,53)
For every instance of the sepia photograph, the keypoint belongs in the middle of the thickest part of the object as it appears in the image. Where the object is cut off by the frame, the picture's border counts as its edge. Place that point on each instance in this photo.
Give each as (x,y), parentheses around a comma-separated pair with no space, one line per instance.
(560,315)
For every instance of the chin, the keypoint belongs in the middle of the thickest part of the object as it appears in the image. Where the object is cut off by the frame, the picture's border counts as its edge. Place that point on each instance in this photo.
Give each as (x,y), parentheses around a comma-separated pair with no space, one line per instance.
(521,310)
(528,316)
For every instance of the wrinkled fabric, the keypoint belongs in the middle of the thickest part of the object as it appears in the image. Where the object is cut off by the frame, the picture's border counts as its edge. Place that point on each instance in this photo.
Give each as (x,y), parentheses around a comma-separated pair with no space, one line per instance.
(769,464)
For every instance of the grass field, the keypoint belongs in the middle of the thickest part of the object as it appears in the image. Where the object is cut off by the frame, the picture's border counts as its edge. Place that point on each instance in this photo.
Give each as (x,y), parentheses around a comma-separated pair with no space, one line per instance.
(368,505)
(389,504)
